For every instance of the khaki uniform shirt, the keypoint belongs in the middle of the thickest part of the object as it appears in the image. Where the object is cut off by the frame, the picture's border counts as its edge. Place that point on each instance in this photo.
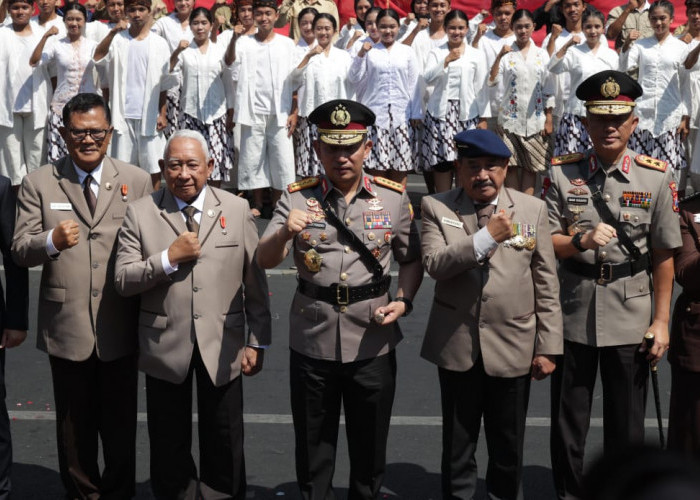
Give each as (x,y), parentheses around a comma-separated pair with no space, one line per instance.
(618,312)
(289,13)
(636,20)
(382,218)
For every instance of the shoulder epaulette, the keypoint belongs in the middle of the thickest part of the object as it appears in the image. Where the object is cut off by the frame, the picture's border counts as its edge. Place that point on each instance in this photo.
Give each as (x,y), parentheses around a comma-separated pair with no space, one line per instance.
(309,182)
(649,162)
(565,159)
(384,182)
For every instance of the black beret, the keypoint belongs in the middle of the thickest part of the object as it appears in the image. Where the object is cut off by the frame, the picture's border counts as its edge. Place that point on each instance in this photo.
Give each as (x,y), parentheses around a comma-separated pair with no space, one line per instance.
(341,121)
(478,142)
(609,93)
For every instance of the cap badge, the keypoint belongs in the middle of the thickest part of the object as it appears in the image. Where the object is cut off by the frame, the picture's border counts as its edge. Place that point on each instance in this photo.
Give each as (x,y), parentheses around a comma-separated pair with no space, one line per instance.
(340,116)
(610,89)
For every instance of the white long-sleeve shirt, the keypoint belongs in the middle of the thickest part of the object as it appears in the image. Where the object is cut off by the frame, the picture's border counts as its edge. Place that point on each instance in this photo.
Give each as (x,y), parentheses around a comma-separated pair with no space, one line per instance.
(579,63)
(694,79)
(463,79)
(158,79)
(244,72)
(391,78)
(203,95)
(528,90)
(324,79)
(664,79)
(346,34)
(562,81)
(74,67)
(14,53)
(169,27)
(491,44)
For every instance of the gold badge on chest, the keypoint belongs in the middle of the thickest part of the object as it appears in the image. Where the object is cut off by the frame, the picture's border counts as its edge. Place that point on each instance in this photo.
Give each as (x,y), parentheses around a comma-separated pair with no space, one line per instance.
(313,260)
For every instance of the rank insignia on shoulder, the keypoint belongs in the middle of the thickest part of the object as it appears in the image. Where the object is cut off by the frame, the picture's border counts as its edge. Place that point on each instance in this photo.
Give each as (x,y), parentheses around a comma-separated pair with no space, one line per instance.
(566,159)
(309,182)
(395,186)
(649,162)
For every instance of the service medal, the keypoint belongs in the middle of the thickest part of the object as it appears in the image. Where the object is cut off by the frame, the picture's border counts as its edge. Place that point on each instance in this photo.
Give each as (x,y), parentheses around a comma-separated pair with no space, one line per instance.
(312,261)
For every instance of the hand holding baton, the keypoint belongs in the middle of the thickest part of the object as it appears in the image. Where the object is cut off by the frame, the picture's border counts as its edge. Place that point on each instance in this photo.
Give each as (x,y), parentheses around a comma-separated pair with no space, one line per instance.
(649,342)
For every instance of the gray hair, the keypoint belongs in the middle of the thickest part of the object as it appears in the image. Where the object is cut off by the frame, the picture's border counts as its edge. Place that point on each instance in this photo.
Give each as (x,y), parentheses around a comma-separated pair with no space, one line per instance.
(187,134)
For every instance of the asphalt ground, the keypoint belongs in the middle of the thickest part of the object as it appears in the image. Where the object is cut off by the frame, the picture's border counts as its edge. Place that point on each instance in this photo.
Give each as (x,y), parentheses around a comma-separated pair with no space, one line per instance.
(413,455)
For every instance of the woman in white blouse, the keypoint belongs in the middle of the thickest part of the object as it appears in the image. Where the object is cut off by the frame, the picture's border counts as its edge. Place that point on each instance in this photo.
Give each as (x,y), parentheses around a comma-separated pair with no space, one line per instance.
(580,61)
(664,107)
(525,110)
(459,100)
(416,20)
(175,28)
(692,64)
(389,72)
(71,55)
(355,28)
(206,105)
(307,42)
(323,72)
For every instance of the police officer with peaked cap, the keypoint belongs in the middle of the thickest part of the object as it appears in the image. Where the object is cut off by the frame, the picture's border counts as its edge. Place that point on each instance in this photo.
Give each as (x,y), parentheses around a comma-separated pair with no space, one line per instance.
(495,321)
(614,226)
(342,229)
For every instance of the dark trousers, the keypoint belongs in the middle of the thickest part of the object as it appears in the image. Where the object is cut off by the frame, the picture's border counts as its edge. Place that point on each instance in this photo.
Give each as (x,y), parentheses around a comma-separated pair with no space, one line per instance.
(466,397)
(220,414)
(624,373)
(96,399)
(366,390)
(684,414)
(5,441)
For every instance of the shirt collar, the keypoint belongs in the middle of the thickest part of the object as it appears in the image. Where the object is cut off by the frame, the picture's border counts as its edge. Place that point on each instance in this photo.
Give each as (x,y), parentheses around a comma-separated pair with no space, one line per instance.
(198,202)
(624,165)
(365,185)
(645,7)
(96,173)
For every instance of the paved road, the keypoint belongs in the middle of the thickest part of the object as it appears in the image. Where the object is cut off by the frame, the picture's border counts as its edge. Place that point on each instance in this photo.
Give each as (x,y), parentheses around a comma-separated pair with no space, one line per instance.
(414,441)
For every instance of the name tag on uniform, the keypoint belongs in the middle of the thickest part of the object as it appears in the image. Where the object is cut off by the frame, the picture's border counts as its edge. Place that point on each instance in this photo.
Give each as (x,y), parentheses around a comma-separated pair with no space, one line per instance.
(452,222)
(696,218)
(61,206)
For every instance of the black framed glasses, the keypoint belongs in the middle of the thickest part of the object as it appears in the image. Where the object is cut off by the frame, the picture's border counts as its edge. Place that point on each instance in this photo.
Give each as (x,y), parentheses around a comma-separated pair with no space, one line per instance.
(97,134)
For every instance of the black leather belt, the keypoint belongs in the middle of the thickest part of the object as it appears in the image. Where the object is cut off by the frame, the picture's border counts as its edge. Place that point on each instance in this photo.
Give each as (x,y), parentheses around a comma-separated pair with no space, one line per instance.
(606,272)
(341,294)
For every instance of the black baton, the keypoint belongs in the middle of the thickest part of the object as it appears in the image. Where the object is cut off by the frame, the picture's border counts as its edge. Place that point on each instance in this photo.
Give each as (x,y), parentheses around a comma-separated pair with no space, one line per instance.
(649,341)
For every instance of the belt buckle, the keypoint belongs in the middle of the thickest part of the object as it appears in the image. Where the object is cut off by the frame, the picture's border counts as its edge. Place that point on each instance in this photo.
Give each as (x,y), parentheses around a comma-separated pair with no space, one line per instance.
(339,295)
(605,277)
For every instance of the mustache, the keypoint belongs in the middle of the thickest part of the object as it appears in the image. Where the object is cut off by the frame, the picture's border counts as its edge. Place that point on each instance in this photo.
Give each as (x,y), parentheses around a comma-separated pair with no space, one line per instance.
(484,183)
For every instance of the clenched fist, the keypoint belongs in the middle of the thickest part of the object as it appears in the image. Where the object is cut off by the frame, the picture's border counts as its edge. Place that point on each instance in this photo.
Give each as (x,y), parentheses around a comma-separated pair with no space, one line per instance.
(185,248)
(500,226)
(65,235)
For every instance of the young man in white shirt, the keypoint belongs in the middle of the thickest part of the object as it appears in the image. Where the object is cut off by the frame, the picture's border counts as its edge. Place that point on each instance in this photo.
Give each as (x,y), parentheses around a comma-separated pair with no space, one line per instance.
(47,17)
(138,64)
(261,65)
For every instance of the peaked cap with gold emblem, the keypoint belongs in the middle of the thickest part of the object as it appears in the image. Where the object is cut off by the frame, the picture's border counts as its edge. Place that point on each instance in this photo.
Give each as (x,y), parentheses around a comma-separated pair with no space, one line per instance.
(609,93)
(342,122)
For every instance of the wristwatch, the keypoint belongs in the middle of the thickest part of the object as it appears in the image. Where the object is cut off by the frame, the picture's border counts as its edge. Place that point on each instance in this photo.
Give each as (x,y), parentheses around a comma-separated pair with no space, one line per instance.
(576,241)
(408,304)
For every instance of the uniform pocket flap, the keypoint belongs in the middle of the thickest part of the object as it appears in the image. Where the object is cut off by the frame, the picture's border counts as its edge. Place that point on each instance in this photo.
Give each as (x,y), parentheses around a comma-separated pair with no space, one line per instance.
(54,294)
(153,320)
(637,287)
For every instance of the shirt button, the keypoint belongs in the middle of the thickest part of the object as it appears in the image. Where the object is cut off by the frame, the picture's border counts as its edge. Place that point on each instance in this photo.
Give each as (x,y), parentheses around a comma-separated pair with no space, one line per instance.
(195,289)
(641,288)
(485,298)
(93,236)
(95,265)
(687,309)
(95,293)
(348,221)
(313,243)
(602,255)
(195,316)
(606,197)
(343,276)
(371,236)
(346,249)
(343,309)
(636,218)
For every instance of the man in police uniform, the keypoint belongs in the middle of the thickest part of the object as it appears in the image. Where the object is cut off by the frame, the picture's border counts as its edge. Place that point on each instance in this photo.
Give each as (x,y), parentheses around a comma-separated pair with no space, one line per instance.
(613,225)
(495,322)
(342,228)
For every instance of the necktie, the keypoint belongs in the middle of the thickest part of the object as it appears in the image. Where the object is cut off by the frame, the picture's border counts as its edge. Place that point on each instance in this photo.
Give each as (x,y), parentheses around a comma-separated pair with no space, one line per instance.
(192,224)
(484,213)
(90,197)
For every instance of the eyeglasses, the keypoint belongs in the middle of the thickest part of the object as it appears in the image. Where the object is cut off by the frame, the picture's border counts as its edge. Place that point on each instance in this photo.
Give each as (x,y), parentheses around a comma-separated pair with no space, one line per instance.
(97,134)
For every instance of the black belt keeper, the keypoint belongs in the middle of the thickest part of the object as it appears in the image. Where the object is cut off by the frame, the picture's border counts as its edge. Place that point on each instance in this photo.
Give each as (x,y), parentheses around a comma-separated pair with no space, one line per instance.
(343,295)
(606,272)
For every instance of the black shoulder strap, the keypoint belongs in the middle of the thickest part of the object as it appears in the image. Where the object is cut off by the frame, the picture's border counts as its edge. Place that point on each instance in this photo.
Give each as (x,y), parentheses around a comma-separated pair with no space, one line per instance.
(606,216)
(356,243)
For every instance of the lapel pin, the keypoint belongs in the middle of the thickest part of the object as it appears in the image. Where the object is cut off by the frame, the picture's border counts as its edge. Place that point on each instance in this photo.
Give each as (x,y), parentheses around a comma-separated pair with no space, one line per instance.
(125,191)
(210,213)
(108,186)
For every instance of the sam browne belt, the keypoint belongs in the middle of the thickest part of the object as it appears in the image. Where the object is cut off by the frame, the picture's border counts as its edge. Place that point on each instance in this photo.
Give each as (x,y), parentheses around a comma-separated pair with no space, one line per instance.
(341,294)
